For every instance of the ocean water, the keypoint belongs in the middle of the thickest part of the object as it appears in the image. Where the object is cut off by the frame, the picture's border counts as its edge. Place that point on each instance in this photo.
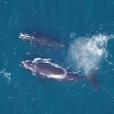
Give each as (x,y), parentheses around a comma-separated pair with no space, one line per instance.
(88,27)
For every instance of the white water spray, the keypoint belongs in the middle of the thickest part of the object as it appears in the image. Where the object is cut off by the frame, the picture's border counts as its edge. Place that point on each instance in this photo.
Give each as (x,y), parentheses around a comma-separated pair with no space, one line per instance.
(86,53)
(5,74)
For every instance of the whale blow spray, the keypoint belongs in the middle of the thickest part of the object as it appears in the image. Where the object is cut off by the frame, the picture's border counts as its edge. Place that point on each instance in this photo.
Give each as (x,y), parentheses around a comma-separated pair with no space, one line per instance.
(86,53)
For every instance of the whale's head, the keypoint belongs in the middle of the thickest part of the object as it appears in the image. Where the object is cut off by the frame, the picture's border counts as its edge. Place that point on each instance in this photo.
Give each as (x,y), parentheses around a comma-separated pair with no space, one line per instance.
(26,36)
(27,64)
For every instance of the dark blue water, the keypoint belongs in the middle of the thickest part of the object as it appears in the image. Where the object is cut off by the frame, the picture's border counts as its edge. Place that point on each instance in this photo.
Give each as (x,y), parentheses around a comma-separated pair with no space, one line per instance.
(26,94)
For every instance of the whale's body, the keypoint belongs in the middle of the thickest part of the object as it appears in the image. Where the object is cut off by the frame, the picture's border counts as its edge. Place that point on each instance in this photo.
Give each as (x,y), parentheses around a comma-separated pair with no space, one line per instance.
(46,69)
(42,40)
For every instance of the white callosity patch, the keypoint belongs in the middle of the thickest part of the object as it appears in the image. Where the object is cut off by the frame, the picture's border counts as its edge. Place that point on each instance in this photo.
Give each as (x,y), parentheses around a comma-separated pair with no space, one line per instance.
(86,53)
(25,36)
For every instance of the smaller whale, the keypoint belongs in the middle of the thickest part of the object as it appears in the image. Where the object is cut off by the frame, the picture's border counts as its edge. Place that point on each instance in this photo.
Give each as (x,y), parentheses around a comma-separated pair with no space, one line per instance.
(42,40)
(46,69)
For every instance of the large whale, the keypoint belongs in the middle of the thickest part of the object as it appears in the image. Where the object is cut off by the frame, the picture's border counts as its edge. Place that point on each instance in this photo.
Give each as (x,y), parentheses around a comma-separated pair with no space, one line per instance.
(46,69)
(42,40)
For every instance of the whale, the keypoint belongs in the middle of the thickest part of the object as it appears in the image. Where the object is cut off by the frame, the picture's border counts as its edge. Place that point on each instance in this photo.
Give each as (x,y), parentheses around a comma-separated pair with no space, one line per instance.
(47,69)
(42,40)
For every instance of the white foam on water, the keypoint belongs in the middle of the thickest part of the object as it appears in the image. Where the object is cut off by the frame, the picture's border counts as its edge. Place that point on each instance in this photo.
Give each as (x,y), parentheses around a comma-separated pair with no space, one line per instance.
(87,52)
(5,75)
(37,60)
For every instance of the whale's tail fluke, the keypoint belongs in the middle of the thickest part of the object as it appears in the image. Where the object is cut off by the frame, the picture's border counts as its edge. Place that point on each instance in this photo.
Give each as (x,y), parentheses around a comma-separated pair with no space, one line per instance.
(92,78)
(94,82)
